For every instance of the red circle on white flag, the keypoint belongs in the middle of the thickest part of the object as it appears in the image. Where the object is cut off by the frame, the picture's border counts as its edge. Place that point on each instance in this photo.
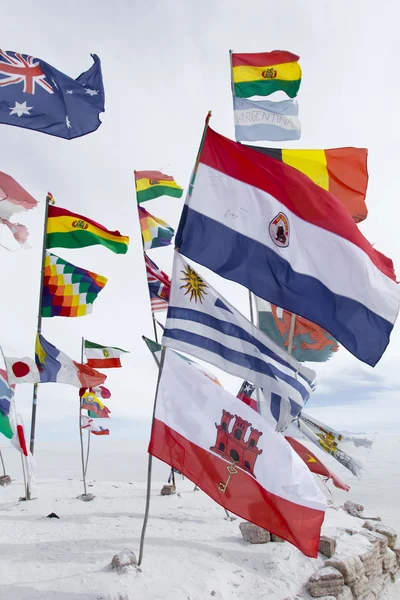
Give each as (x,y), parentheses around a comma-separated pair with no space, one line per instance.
(20,369)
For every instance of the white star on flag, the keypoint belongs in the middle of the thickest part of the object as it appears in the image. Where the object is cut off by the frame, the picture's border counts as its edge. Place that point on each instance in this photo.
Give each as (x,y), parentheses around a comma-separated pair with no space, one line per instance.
(69,92)
(68,122)
(20,109)
(92,92)
(248,388)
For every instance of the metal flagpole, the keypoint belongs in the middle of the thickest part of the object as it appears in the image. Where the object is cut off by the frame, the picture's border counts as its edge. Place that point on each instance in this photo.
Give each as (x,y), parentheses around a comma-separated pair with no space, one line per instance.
(23,471)
(155,328)
(2,462)
(87,452)
(49,200)
(252,322)
(291,332)
(80,428)
(149,467)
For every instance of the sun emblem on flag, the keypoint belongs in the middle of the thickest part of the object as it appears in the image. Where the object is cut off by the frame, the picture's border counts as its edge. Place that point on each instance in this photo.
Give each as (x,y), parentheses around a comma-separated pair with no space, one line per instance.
(194,284)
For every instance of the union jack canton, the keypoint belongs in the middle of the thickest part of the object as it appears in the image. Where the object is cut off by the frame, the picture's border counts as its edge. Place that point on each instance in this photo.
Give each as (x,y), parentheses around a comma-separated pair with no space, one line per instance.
(35,95)
(159,286)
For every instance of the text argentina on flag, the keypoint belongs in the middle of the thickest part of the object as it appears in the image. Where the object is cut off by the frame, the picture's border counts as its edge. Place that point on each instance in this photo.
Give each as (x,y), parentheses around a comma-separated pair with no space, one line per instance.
(66,229)
(271,229)
(35,95)
(202,323)
(103,357)
(265,120)
(56,367)
(234,456)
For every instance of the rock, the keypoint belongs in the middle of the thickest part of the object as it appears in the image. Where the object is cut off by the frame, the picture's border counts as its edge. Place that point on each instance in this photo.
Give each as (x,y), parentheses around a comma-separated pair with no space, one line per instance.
(353,508)
(370,525)
(124,559)
(397,553)
(276,538)
(361,587)
(346,594)
(254,534)
(351,568)
(168,490)
(389,564)
(327,546)
(86,497)
(53,516)
(372,518)
(327,581)
(5,480)
(377,539)
(388,532)
(351,530)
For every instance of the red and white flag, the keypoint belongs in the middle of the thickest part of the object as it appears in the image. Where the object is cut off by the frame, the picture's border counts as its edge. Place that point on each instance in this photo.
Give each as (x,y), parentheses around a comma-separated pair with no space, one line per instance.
(234,456)
(21,370)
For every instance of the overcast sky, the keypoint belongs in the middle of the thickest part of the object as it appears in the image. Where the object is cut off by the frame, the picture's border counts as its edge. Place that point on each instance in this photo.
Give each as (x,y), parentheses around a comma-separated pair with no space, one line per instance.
(165,63)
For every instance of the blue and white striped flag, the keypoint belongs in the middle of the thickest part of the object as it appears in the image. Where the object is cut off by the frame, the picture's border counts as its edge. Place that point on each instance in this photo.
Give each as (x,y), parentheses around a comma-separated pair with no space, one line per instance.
(266,120)
(203,324)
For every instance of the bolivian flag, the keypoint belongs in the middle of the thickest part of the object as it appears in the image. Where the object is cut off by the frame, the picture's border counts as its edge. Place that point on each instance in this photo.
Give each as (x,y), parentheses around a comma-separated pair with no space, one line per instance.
(70,230)
(264,73)
(152,184)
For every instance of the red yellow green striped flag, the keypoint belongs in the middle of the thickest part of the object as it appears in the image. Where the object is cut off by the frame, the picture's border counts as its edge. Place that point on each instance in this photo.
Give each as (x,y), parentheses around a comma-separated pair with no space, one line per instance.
(264,73)
(66,229)
(152,184)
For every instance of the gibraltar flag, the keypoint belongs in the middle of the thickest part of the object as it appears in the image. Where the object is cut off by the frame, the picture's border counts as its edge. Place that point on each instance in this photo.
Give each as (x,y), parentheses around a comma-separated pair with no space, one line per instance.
(234,456)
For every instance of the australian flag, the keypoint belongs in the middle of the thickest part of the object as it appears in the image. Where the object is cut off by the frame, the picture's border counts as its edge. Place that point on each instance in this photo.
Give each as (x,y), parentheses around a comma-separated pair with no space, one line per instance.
(35,95)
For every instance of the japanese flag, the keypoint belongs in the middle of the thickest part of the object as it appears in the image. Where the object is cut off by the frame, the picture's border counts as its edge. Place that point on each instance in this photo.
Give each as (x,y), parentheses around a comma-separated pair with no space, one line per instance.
(21,370)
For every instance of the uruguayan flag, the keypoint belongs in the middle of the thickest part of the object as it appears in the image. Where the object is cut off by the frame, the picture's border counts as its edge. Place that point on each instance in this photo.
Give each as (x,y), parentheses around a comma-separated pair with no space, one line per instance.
(203,324)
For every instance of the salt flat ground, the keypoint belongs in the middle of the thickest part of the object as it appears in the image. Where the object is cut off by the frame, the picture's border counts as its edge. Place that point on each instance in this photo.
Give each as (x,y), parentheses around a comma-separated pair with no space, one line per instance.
(192,552)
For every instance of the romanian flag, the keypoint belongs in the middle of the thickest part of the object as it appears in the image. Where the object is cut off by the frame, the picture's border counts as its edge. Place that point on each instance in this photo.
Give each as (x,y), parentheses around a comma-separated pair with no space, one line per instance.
(155,232)
(68,291)
(264,73)
(152,184)
(70,230)
(341,171)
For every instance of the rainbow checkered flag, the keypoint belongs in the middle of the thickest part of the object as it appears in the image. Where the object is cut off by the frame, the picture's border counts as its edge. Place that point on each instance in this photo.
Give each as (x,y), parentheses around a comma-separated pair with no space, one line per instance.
(155,232)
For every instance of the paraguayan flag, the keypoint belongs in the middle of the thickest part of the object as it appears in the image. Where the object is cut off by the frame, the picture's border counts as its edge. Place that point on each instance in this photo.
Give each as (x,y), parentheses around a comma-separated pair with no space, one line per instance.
(203,324)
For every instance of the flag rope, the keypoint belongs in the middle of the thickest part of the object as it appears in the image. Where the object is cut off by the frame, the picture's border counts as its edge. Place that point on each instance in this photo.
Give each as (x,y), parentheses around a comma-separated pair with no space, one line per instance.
(80,427)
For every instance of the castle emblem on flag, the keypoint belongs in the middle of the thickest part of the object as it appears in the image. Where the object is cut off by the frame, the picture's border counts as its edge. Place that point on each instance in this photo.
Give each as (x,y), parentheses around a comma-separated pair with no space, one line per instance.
(21,68)
(279,230)
(269,74)
(80,224)
(232,446)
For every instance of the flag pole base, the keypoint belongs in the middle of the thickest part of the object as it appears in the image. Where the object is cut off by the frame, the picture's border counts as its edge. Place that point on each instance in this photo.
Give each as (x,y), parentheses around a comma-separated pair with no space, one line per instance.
(5,480)
(86,497)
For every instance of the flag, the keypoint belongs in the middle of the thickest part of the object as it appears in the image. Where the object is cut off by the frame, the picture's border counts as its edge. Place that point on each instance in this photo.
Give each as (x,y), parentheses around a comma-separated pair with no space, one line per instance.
(66,229)
(310,342)
(159,285)
(93,404)
(68,291)
(315,465)
(101,391)
(263,73)
(156,348)
(341,171)
(5,393)
(21,370)
(5,427)
(245,393)
(13,197)
(103,357)
(155,232)
(265,120)
(202,323)
(56,367)
(90,425)
(152,184)
(268,227)
(35,95)
(234,456)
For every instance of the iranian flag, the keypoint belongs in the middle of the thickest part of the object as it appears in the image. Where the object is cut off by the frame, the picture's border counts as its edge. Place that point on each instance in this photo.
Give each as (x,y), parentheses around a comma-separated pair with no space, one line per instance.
(103,357)
(234,456)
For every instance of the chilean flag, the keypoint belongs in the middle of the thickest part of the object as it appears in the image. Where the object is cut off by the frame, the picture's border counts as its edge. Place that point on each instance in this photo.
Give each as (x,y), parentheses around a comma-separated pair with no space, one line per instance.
(233,454)
(267,226)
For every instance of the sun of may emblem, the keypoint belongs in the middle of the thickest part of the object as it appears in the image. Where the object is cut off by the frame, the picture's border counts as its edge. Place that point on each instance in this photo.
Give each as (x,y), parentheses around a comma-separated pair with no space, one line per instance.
(194,285)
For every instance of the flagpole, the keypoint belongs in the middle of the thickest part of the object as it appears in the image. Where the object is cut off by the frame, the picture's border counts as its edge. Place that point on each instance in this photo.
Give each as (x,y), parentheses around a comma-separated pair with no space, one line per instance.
(150,464)
(23,471)
(49,199)
(291,332)
(87,452)
(80,428)
(154,325)
(2,462)
(258,399)
(196,164)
